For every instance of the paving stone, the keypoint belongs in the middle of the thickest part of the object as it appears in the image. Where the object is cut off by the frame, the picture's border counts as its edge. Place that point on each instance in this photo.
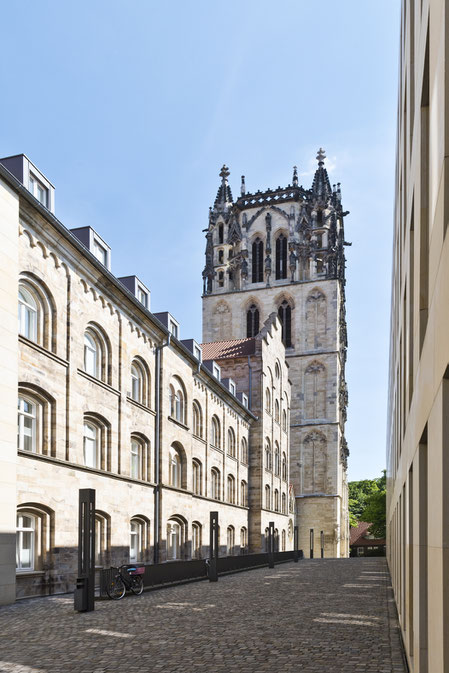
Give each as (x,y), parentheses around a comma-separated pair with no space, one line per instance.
(297,617)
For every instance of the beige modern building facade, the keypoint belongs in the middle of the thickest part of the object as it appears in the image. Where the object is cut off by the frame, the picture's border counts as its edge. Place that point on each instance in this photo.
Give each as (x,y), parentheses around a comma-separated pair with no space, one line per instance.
(418,428)
(98,392)
(282,251)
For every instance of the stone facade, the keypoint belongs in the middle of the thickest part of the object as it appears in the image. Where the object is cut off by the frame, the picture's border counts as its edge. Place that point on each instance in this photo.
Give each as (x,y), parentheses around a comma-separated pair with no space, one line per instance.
(109,399)
(282,250)
(418,428)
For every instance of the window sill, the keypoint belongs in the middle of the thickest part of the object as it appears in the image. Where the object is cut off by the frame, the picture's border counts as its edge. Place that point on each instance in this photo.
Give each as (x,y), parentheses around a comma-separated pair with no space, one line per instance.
(180,423)
(29,573)
(199,438)
(100,383)
(229,455)
(40,349)
(216,448)
(139,405)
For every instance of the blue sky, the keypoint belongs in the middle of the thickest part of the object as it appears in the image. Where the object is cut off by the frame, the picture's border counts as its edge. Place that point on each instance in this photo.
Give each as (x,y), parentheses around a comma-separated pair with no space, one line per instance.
(131,108)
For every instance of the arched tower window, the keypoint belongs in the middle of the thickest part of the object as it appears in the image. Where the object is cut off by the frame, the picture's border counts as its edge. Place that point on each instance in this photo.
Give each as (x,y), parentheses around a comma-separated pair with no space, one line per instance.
(257,261)
(285,316)
(252,321)
(281,257)
(220,233)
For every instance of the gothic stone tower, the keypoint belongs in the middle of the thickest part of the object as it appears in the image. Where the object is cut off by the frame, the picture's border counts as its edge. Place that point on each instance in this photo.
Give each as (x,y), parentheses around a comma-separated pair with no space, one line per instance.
(283,250)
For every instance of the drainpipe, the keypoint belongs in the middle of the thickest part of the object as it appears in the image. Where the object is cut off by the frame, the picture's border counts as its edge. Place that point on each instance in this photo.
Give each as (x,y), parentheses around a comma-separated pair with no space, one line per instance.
(250,384)
(157,449)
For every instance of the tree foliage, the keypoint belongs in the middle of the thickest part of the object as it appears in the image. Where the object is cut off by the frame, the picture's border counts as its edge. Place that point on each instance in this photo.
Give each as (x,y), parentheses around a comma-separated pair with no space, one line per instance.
(367,502)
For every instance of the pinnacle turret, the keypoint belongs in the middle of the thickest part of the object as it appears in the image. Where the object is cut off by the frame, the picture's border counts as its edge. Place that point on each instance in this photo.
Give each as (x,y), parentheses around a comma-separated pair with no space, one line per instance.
(321,185)
(224,195)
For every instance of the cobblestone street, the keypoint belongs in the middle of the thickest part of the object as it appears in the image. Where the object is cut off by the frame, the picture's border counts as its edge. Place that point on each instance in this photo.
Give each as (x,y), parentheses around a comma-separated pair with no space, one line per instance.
(313,616)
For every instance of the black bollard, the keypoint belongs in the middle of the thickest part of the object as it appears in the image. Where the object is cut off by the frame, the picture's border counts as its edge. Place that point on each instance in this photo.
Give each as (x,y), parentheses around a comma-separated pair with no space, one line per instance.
(84,597)
(295,545)
(271,544)
(213,548)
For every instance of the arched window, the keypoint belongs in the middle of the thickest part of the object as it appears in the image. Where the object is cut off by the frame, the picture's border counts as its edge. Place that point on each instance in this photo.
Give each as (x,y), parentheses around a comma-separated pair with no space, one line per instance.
(215,483)
(267,497)
(91,449)
(316,320)
(220,256)
(177,401)
(277,370)
(284,420)
(266,540)
(36,312)
(27,434)
(284,467)
(257,261)
(221,279)
(196,540)
(244,451)
(276,411)
(268,457)
(230,540)
(135,540)
(220,233)
(33,539)
(285,316)
(277,460)
(231,442)
(96,354)
(175,464)
(26,541)
(281,257)
(284,504)
(197,477)
(140,383)
(197,419)
(28,313)
(268,401)
(216,434)
(231,489)
(243,540)
(140,459)
(175,538)
(276,500)
(243,493)
(252,321)
(276,539)
(283,540)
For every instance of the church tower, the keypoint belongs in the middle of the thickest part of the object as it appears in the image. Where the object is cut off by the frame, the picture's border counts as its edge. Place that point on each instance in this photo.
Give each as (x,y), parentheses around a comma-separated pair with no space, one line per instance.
(283,250)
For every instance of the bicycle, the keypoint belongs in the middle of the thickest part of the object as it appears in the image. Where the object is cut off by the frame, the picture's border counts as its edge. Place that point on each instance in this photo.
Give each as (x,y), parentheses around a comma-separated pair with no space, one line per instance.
(127,577)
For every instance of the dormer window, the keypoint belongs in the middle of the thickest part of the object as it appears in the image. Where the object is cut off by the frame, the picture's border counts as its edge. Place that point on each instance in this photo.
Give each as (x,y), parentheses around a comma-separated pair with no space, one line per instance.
(217,372)
(173,329)
(38,190)
(100,252)
(197,353)
(142,296)
(232,388)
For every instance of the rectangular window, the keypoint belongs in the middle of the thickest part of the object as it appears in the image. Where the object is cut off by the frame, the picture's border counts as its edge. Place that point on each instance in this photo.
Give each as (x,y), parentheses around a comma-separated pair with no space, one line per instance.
(198,353)
(100,252)
(217,372)
(142,297)
(232,388)
(174,329)
(38,190)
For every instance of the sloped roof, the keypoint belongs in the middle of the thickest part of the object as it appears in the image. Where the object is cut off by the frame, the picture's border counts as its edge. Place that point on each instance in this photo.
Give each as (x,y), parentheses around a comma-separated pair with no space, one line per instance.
(237,348)
(357,536)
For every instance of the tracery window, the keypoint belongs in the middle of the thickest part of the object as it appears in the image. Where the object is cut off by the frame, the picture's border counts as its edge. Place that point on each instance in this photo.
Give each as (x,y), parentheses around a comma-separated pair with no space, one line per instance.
(177,401)
(140,384)
(281,257)
(257,261)
(252,321)
(96,354)
(285,316)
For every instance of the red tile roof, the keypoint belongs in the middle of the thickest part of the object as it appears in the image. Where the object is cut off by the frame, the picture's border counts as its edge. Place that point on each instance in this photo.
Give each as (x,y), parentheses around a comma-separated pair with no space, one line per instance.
(357,535)
(238,348)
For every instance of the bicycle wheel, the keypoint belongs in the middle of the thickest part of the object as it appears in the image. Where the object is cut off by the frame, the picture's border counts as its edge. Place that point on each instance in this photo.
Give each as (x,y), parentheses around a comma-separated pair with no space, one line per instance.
(137,585)
(116,588)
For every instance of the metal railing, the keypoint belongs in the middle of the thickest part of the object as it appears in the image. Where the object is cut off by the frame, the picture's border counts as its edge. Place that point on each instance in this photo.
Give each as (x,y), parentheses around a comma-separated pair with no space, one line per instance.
(173,572)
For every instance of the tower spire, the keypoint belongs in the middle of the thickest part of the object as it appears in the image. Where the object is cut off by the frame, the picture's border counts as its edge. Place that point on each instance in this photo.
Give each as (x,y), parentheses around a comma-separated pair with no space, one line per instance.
(224,195)
(321,185)
(295,176)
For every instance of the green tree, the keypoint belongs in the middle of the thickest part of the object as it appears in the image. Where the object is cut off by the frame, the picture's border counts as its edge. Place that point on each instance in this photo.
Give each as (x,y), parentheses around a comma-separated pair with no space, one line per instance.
(375,513)
(360,494)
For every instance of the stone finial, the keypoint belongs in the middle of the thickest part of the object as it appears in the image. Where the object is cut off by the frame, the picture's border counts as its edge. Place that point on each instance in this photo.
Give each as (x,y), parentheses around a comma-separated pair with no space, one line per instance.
(224,173)
(295,176)
(321,156)
(242,187)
